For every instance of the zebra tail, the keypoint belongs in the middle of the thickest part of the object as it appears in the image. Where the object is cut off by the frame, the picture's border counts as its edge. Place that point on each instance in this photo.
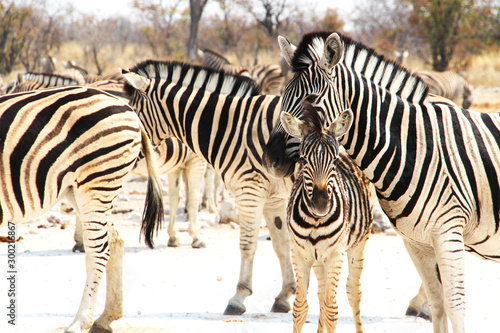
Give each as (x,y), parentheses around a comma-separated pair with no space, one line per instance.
(152,218)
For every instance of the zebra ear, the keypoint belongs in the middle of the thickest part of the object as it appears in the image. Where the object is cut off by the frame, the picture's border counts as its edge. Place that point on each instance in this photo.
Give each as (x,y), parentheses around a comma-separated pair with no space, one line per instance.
(287,49)
(342,124)
(293,126)
(135,80)
(332,53)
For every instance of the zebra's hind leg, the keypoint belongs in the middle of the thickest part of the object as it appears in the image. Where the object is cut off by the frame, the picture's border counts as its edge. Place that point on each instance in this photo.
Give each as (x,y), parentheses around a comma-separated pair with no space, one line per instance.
(418,306)
(78,237)
(194,177)
(424,260)
(355,258)
(275,216)
(113,309)
(96,241)
(174,179)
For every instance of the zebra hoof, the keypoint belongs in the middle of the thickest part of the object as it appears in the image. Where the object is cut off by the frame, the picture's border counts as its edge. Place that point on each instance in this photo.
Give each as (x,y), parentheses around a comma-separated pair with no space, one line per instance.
(173,242)
(78,248)
(425,316)
(411,311)
(234,309)
(281,307)
(99,329)
(198,244)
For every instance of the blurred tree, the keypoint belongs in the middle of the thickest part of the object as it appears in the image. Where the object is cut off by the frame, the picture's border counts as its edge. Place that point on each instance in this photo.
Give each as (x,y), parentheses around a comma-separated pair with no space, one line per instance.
(446,24)
(270,14)
(331,21)
(196,7)
(162,25)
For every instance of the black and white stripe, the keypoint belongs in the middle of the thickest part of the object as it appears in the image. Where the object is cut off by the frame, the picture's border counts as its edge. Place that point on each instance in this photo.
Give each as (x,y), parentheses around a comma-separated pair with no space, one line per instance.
(78,143)
(329,213)
(229,131)
(435,166)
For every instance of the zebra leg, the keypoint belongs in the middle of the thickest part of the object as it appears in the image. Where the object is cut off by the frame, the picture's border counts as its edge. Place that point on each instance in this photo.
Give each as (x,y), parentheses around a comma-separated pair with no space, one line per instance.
(302,265)
(319,271)
(418,306)
(275,216)
(210,193)
(113,309)
(173,203)
(250,215)
(329,310)
(78,237)
(96,240)
(194,177)
(424,259)
(355,257)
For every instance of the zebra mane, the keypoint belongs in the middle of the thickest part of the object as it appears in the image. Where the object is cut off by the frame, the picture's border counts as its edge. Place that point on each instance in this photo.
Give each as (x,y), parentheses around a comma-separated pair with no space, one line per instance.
(47,79)
(214,60)
(364,60)
(311,117)
(196,76)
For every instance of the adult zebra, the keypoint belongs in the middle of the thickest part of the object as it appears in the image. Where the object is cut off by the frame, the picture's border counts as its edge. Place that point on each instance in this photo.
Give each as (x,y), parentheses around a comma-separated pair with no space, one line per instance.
(448,84)
(78,143)
(435,167)
(329,214)
(229,131)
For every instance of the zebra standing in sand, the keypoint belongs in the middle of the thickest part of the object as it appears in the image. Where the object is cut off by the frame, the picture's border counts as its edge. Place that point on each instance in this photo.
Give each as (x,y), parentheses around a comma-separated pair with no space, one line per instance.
(448,84)
(79,143)
(436,168)
(329,213)
(229,131)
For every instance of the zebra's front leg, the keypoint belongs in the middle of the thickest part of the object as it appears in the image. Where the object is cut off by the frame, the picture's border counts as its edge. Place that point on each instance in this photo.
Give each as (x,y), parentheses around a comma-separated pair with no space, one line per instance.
(275,216)
(329,310)
(250,215)
(302,264)
(95,235)
(174,179)
(113,309)
(355,259)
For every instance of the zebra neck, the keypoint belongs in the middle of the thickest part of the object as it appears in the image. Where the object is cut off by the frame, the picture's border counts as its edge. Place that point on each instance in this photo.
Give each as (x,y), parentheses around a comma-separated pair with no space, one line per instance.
(383,139)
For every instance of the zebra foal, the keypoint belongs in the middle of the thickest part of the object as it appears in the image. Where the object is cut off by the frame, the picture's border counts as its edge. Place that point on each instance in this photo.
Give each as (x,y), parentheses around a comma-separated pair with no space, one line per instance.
(329,213)
(79,143)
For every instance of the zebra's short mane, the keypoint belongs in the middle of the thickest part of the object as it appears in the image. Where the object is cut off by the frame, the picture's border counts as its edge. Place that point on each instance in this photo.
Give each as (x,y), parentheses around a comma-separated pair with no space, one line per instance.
(311,117)
(43,78)
(196,76)
(364,60)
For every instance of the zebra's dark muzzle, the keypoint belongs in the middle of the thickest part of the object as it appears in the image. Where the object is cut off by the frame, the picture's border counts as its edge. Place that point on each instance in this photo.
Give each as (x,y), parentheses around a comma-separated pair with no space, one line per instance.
(321,203)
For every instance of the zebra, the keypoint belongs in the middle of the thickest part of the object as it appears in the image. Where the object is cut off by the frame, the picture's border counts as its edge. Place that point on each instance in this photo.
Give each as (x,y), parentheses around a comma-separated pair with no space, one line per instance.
(448,84)
(182,100)
(269,77)
(435,166)
(329,213)
(32,81)
(79,143)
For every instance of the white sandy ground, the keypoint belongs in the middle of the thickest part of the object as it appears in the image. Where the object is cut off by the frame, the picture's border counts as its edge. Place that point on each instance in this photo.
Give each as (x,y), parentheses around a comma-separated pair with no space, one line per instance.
(186,290)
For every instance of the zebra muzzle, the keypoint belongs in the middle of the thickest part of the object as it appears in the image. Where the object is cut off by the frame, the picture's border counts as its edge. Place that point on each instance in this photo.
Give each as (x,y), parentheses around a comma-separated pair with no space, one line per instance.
(321,202)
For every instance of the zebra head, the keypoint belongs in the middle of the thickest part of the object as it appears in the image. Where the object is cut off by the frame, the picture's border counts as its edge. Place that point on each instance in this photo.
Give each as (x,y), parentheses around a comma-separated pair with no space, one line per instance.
(319,151)
(314,63)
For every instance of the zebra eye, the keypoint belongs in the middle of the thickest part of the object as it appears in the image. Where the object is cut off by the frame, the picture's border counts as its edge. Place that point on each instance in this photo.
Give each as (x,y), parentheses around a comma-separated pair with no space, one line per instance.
(311,98)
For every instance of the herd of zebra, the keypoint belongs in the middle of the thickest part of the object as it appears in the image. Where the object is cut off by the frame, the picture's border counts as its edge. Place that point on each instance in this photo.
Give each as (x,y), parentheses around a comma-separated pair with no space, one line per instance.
(300,150)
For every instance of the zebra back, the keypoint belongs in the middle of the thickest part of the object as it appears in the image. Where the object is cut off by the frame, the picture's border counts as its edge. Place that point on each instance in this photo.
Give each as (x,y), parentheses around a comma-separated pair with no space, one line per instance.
(32,81)
(448,84)
(195,76)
